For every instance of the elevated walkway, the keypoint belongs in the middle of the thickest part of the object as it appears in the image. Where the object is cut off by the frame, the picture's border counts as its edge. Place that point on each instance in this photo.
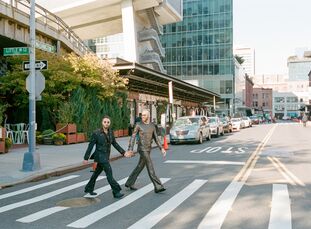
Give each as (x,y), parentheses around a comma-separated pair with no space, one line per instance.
(51,29)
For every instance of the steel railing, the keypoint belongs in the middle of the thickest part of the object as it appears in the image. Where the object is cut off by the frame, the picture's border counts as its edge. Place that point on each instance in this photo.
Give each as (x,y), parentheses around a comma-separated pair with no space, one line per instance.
(53,21)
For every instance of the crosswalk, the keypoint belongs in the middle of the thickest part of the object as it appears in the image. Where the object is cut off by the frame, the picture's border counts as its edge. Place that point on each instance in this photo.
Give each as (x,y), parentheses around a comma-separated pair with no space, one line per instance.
(214,217)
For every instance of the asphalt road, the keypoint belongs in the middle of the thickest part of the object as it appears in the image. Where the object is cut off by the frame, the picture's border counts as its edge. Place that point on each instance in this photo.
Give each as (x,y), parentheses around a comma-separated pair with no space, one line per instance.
(256,178)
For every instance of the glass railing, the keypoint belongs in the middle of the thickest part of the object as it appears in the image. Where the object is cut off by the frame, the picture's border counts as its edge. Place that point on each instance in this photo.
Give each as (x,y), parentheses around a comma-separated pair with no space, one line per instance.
(176,4)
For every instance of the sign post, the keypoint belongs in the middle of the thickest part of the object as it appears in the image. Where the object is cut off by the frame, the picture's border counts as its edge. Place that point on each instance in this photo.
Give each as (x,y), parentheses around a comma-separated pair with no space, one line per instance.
(31,160)
(171,98)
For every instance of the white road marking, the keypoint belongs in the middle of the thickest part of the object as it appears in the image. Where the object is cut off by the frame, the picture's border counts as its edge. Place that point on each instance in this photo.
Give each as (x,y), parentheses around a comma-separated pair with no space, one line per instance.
(205,162)
(217,214)
(41,214)
(44,196)
(37,187)
(101,213)
(155,216)
(46,212)
(280,215)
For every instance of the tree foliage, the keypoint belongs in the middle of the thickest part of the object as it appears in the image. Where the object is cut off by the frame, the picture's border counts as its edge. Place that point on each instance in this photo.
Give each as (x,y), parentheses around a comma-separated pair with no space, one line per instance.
(239,59)
(65,75)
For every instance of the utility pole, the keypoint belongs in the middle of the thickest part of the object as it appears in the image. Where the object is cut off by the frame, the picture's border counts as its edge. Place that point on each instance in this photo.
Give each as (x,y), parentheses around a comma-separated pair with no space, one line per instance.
(32,158)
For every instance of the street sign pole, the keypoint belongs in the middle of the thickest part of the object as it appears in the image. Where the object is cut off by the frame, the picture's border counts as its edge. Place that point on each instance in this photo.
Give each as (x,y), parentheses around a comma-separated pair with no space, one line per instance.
(32,158)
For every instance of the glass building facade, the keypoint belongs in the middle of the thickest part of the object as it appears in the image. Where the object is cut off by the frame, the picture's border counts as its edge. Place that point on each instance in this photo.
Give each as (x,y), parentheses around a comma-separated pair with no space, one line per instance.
(200,48)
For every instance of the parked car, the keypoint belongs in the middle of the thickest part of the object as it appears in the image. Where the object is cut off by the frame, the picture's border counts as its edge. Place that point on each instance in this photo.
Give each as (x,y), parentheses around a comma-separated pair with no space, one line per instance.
(216,126)
(255,120)
(247,121)
(236,124)
(227,125)
(190,129)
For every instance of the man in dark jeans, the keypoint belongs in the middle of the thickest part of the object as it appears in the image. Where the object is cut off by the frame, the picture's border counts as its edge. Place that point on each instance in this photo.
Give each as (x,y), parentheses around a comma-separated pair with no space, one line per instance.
(103,138)
(146,132)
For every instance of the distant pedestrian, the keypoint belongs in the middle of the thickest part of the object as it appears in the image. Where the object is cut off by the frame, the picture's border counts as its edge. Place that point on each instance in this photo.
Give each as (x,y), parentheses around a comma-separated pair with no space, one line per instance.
(146,132)
(304,119)
(103,139)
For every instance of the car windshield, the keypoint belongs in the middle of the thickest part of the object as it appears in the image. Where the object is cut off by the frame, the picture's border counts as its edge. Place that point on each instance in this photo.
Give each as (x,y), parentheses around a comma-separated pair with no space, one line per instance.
(187,121)
(211,120)
(223,119)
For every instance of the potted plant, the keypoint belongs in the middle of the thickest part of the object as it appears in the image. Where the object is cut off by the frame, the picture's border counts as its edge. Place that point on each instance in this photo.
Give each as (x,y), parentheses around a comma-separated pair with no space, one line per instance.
(81,137)
(65,119)
(59,138)
(8,144)
(47,137)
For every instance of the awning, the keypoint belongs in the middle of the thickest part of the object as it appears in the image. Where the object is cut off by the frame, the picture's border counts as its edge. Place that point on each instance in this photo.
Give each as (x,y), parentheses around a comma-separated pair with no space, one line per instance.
(145,80)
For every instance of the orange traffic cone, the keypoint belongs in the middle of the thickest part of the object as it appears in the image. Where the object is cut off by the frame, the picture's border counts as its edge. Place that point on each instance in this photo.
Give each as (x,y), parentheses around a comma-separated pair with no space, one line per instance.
(165,145)
(94,165)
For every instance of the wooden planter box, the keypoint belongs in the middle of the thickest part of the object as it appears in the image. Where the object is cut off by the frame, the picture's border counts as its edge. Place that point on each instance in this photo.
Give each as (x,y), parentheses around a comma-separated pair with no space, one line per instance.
(125,132)
(71,138)
(120,133)
(48,141)
(81,137)
(70,128)
(116,133)
(2,147)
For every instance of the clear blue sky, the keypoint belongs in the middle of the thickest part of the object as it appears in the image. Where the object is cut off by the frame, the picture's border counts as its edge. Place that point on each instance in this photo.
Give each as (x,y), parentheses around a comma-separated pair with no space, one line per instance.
(275,28)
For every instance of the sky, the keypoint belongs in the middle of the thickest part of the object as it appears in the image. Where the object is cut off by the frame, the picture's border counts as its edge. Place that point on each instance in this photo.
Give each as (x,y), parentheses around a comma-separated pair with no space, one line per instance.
(274,28)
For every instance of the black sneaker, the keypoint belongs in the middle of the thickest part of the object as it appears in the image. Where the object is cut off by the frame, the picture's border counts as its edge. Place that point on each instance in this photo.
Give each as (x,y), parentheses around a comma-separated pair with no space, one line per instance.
(159,190)
(118,195)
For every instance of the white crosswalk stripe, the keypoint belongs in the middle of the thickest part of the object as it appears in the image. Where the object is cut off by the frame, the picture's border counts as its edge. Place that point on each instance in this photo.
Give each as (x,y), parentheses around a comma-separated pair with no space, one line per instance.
(155,216)
(217,214)
(44,196)
(3,196)
(101,213)
(280,215)
(41,214)
(47,212)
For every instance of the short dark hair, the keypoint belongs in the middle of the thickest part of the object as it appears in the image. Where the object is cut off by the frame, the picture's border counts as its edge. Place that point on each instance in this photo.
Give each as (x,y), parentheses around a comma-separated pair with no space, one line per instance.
(107,117)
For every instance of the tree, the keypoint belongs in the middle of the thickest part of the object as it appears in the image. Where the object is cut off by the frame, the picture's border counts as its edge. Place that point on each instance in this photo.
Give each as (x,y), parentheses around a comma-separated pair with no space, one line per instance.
(239,59)
(65,74)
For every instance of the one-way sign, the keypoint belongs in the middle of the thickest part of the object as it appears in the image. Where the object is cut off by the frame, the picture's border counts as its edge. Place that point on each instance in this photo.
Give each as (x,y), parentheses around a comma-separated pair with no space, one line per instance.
(40,65)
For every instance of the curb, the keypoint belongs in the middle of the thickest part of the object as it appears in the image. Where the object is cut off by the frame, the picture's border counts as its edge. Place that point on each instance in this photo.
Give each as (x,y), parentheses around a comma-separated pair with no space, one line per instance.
(52,173)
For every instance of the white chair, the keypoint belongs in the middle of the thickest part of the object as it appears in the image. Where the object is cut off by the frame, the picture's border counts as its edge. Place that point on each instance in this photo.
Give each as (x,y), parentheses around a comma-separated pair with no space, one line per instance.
(9,132)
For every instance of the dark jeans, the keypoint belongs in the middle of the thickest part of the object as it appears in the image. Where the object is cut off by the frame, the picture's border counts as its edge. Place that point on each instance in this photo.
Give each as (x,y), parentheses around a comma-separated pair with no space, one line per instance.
(144,160)
(107,168)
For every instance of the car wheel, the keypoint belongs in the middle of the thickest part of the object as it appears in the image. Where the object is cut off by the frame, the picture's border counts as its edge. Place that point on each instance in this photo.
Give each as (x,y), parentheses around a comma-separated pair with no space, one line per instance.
(200,141)
(173,143)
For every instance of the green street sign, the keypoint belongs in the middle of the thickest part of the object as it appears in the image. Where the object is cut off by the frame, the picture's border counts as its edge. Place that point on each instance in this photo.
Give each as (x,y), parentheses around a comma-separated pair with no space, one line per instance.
(45,47)
(15,51)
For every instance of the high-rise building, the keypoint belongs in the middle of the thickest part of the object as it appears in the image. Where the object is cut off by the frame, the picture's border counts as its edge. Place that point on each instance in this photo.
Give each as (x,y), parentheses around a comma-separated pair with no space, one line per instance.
(299,67)
(199,49)
(248,55)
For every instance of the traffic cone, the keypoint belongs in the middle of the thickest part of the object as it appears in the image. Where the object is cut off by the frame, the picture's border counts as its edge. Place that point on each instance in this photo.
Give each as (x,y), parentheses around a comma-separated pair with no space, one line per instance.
(165,145)
(94,165)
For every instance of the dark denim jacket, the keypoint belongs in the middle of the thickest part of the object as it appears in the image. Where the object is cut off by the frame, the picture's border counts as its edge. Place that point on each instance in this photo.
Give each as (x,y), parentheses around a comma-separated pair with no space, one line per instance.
(103,146)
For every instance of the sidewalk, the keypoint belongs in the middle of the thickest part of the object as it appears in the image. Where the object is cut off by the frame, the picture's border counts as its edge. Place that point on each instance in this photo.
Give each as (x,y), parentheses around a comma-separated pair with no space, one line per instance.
(55,160)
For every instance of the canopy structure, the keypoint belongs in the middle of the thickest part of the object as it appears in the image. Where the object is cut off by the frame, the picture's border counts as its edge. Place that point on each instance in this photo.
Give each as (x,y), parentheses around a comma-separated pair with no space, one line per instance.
(145,80)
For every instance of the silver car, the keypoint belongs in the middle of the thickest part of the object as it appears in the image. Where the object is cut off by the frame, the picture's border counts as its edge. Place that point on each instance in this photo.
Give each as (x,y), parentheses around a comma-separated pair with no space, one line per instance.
(190,129)
(216,126)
